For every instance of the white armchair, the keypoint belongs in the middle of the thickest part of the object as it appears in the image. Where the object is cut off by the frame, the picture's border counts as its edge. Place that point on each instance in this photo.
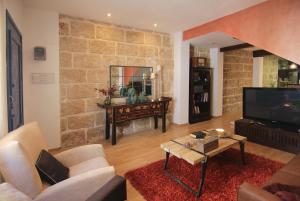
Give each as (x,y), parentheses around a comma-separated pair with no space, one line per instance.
(89,170)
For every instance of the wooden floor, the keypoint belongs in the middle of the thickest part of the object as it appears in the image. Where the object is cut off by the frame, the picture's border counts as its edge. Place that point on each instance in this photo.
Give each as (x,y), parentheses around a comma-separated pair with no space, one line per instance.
(139,149)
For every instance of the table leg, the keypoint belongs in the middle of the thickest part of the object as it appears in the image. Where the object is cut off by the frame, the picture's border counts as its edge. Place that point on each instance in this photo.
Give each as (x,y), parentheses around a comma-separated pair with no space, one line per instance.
(114,134)
(242,149)
(203,175)
(163,123)
(107,127)
(155,122)
(167,160)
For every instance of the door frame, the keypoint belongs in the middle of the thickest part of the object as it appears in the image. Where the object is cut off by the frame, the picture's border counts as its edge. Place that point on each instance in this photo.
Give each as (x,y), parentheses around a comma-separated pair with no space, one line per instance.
(9,20)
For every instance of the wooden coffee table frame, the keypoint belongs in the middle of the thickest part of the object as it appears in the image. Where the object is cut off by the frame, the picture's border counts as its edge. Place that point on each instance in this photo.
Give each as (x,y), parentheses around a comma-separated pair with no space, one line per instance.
(203,166)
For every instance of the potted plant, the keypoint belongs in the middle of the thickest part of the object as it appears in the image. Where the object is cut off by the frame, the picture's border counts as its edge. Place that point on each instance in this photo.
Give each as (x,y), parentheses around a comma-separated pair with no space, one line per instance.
(108,92)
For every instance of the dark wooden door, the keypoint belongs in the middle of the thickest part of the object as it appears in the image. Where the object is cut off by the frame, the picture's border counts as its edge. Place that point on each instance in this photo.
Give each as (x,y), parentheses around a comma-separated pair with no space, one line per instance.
(14,74)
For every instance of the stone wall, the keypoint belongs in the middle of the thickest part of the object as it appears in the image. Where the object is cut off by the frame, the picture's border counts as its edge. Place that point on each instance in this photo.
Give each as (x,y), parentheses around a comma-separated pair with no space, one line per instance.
(238,70)
(270,71)
(87,49)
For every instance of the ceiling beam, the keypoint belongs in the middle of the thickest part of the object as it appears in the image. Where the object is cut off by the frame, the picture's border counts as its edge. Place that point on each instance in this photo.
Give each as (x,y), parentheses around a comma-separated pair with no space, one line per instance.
(261,53)
(235,47)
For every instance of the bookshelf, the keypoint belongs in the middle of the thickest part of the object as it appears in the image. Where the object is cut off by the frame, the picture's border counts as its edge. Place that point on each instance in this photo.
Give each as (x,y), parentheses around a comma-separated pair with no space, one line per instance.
(199,94)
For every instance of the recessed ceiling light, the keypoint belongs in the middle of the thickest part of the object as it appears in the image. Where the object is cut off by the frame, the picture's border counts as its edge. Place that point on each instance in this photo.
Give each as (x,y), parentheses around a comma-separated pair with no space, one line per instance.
(108,14)
(155,25)
(293,66)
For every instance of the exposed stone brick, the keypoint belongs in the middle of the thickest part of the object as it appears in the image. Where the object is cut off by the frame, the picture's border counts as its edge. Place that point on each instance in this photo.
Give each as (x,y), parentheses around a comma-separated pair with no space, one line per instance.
(87,49)
(81,91)
(73,138)
(135,61)
(100,116)
(96,75)
(152,62)
(142,124)
(114,60)
(238,69)
(102,47)
(110,33)
(73,44)
(127,49)
(73,76)
(72,107)
(148,51)
(166,53)
(167,42)
(270,71)
(153,39)
(87,61)
(81,121)
(64,28)
(91,104)
(63,92)
(84,29)
(65,60)
(63,124)
(134,37)
(94,135)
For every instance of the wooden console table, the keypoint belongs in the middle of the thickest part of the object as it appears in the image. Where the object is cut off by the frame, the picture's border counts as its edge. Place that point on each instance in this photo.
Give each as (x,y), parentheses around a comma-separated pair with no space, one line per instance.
(117,114)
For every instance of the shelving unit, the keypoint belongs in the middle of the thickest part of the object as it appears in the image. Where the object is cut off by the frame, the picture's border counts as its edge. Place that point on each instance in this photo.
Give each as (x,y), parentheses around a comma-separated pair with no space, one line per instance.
(199,94)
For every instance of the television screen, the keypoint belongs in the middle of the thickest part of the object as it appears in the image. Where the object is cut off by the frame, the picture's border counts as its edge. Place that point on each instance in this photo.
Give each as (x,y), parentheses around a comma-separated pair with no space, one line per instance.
(280,105)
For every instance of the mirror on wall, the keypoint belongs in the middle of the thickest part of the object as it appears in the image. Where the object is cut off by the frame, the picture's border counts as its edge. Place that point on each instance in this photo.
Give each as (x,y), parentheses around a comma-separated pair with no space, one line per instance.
(131,79)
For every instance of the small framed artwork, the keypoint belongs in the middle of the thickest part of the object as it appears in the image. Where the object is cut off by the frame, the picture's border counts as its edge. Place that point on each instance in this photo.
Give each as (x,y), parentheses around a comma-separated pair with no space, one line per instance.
(40,53)
(199,61)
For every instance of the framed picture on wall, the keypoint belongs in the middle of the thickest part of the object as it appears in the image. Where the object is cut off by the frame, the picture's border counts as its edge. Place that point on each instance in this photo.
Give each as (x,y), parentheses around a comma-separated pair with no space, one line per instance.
(40,53)
(199,61)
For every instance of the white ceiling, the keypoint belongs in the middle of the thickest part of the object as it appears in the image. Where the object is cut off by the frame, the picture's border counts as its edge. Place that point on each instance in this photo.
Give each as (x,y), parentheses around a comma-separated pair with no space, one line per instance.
(215,39)
(170,15)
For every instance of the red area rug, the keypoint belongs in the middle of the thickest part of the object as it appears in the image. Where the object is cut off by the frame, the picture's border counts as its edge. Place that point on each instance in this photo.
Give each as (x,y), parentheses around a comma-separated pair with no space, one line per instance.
(224,175)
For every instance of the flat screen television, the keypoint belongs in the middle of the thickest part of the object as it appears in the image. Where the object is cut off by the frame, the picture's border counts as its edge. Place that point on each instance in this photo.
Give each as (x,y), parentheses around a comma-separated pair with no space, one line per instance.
(276,105)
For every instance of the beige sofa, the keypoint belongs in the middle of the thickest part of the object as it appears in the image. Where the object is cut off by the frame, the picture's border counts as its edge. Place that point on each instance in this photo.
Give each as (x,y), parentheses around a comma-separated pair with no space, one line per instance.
(89,170)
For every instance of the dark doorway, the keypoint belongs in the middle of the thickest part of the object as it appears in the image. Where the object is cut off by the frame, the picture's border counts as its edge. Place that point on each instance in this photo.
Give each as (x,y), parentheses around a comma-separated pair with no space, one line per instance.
(14,74)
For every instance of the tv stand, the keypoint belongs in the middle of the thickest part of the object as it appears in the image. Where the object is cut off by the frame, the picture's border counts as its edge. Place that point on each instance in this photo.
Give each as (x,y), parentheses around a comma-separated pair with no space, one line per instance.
(269,135)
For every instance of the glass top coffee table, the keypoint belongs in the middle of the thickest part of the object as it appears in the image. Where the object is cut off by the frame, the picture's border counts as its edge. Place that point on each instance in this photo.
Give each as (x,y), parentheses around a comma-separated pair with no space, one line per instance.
(186,148)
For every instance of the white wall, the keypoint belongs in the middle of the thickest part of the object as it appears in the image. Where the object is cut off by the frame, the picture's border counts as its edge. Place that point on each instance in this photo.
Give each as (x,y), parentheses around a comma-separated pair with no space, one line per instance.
(15,8)
(41,101)
(181,79)
(216,62)
(258,65)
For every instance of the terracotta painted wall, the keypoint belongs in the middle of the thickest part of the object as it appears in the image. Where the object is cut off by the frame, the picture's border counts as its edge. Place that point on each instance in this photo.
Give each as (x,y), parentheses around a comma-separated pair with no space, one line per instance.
(273,25)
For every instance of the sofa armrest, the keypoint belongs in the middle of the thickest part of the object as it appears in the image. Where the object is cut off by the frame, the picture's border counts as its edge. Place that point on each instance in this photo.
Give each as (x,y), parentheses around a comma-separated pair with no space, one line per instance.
(9,193)
(79,154)
(114,190)
(78,188)
(248,192)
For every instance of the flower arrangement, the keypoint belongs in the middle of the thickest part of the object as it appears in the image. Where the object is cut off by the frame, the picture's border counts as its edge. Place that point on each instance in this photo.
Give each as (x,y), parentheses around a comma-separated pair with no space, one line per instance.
(108,92)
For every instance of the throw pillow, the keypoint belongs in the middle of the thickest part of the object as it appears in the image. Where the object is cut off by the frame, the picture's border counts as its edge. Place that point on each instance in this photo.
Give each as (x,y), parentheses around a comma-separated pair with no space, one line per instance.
(50,169)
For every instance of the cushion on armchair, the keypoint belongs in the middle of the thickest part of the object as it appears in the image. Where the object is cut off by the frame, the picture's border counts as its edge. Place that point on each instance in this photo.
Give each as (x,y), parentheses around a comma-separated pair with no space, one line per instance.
(18,170)
(50,169)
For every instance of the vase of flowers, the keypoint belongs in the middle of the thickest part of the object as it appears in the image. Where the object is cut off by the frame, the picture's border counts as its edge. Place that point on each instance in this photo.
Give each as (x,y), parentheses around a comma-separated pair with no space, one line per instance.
(108,92)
